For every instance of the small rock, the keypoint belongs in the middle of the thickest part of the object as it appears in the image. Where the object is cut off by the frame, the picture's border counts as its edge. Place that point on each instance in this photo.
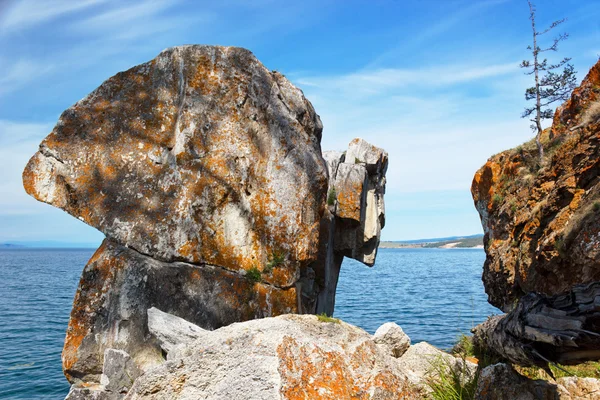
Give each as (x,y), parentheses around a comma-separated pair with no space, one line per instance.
(118,372)
(171,330)
(574,387)
(421,361)
(501,382)
(91,393)
(391,337)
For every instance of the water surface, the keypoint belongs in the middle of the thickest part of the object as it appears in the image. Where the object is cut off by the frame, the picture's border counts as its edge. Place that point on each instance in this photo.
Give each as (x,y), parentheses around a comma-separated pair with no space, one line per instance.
(433,294)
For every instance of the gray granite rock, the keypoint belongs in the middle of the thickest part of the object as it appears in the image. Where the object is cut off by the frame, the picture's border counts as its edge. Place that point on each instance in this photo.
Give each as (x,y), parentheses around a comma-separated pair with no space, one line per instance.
(287,357)
(392,338)
(119,371)
(171,330)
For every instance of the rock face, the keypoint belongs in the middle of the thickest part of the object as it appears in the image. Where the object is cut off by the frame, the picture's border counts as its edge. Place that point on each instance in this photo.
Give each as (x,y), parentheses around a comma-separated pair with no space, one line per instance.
(352,223)
(542,222)
(501,382)
(204,171)
(201,155)
(119,284)
(287,357)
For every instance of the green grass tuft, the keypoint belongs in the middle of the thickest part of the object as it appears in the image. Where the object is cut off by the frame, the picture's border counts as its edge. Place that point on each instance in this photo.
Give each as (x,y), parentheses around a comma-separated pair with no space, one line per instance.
(331,197)
(254,275)
(325,318)
(451,382)
(276,259)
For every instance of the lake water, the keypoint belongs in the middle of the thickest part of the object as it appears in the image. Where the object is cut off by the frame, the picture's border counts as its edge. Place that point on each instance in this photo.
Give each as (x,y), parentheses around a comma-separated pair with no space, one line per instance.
(434,294)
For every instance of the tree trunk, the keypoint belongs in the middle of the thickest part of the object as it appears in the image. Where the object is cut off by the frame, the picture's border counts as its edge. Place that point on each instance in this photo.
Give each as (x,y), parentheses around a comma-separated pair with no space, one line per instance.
(538,100)
(563,329)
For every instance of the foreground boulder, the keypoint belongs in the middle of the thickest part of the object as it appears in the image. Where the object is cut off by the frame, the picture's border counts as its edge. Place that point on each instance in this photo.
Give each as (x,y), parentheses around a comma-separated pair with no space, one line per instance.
(204,171)
(502,382)
(542,219)
(287,357)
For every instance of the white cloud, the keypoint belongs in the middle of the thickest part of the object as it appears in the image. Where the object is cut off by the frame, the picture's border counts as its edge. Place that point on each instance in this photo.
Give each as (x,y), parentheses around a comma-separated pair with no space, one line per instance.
(18,142)
(27,13)
(438,124)
(128,21)
(389,79)
(17,74)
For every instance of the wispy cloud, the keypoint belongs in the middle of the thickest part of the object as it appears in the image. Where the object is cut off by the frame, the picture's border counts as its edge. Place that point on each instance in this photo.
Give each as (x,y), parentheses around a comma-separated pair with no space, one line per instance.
(438,123)
(24,14)
(392,79)
(16,74)
(126,21)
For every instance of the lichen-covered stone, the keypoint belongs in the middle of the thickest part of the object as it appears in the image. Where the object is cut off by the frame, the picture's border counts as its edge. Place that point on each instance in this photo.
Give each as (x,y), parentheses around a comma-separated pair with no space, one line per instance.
(352,224)
(204,171)
(200,155)
(119,285)
(542,220)
(287,357)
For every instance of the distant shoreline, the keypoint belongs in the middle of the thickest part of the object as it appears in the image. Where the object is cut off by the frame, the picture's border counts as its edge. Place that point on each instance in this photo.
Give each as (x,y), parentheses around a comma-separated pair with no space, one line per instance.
(468,242)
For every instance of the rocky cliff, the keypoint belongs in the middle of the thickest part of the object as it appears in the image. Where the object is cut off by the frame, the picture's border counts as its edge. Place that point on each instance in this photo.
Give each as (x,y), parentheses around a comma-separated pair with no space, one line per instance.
(542,219)
(204,170)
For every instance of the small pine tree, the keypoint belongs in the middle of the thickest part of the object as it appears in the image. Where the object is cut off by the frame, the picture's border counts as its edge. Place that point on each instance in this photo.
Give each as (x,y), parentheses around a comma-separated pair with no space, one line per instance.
(549,86)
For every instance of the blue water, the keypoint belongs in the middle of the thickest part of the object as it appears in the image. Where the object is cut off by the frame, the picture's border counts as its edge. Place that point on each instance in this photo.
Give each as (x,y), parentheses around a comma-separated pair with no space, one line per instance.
(433,294)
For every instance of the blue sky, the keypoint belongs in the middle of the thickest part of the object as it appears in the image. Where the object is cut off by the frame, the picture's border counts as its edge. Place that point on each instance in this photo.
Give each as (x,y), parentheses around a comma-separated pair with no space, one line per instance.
(435,83)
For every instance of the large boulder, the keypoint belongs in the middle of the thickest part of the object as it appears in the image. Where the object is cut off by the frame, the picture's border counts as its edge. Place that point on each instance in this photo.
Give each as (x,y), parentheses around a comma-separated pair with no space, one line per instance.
(201,155)
(287,357)
(204,171)
(542,218)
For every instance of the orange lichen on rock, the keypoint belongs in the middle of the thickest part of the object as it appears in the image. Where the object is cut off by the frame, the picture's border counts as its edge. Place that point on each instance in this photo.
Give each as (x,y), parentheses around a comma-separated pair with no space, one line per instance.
(537,215)
(309,372)
(198,155)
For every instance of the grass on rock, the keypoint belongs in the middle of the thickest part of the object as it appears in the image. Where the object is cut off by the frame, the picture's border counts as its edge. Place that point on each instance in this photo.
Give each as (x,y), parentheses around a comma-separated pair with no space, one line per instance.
(325,318)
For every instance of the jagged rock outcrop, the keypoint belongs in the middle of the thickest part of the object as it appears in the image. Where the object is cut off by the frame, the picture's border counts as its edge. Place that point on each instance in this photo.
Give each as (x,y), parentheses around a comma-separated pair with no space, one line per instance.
(563,328)
(204,171)
(542,239)
(542,221)
(352,223)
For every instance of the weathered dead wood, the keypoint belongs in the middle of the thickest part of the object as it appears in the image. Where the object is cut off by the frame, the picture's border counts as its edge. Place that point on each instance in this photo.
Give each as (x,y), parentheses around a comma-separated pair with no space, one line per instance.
(563,329)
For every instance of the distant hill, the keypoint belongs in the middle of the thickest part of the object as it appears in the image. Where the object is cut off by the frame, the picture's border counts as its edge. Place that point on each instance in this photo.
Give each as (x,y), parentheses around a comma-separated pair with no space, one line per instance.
(472,241)
(10,246)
